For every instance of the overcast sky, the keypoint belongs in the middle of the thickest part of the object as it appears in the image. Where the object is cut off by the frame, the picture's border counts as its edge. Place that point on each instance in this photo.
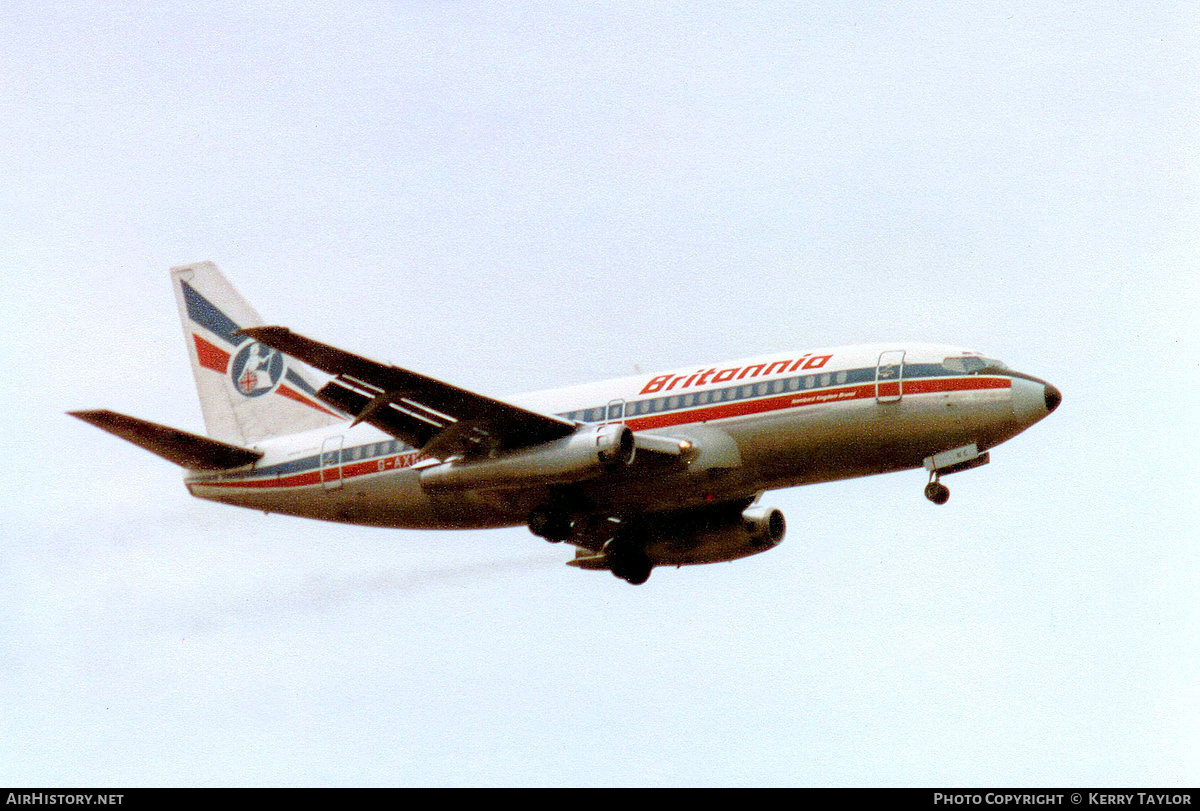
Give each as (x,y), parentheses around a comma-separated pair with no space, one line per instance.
(530,195)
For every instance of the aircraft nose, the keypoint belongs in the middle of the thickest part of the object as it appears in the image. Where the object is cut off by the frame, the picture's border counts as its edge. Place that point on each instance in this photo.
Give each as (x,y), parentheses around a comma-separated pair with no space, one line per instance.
(1053,398)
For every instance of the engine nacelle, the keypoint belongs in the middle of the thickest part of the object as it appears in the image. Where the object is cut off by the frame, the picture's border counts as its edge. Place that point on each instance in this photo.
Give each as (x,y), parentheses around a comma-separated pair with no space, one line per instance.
(585,454)
(715,537)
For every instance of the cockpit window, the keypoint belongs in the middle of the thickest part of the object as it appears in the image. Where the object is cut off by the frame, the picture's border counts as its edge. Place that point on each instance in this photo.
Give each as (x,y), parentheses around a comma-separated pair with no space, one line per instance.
(972,364)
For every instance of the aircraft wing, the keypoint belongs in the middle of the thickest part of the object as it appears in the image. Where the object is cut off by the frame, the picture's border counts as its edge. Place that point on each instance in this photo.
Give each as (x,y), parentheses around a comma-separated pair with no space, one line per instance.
(436,417)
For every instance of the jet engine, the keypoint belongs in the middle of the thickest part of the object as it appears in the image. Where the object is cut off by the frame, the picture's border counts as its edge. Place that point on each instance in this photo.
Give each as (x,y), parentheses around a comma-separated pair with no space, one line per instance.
(585,454)
(714,537)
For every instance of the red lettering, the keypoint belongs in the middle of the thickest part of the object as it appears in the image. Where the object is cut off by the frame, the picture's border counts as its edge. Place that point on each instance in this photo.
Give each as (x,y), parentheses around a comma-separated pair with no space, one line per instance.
(701,378)
(655,385)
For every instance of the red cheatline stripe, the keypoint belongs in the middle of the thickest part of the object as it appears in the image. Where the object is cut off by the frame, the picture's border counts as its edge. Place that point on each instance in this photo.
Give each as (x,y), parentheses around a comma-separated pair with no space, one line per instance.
(712,412)
(292,394)
(298,480)
(210,356)
(744,408)
(313,477)
(864,391)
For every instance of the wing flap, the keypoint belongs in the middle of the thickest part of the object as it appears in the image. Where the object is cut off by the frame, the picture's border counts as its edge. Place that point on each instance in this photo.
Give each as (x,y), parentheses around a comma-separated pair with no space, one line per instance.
(412,428)
(403,402)
(184,449)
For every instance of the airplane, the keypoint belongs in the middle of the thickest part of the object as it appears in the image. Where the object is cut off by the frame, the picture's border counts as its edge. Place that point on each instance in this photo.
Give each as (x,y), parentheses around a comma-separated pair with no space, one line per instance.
(663,469)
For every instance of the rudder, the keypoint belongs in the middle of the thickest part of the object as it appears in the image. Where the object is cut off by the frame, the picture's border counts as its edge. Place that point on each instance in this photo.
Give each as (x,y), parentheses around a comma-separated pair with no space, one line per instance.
(247,390)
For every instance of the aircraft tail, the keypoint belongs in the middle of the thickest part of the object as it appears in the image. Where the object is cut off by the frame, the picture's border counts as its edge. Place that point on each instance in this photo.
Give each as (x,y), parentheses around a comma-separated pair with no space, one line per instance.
(248,391)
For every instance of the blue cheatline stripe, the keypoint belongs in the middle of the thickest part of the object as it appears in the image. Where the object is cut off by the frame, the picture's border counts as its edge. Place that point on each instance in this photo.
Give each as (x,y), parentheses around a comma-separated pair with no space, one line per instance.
(206,314)
(750,390)
(300,382)
(354,453)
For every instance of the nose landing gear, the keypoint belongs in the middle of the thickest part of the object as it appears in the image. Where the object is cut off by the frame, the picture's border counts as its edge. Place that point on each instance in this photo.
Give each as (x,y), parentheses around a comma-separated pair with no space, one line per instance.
(947,462)
(935,491)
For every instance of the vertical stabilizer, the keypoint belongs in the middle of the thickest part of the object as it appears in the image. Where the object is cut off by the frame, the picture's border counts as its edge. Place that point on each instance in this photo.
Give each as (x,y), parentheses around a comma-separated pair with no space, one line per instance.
(248,391)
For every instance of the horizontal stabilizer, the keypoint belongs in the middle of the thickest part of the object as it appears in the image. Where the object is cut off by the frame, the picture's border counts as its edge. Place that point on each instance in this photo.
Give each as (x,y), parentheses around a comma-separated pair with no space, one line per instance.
(184,449)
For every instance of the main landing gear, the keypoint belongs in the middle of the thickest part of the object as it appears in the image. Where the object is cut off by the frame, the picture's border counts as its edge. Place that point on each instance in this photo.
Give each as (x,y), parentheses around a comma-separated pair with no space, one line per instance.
(935,491)
(624,553)
(553,525)
(627,559)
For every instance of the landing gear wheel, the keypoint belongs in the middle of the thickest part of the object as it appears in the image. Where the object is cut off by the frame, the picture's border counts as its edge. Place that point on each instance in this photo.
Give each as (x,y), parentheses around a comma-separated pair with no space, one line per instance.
(635,572)
(551,525)
(628,561)
(937,492)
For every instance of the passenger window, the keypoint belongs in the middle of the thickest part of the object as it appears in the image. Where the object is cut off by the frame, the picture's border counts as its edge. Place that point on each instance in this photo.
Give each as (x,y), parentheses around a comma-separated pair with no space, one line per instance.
(809,381)
(762,388)
(841,377)
(703,397)
(689,399)
(777,386)
(673,403)
(793,383)
(824,380)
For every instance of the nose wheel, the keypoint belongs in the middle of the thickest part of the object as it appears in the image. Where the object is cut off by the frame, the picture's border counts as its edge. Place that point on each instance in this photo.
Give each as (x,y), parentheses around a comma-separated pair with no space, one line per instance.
(935,491)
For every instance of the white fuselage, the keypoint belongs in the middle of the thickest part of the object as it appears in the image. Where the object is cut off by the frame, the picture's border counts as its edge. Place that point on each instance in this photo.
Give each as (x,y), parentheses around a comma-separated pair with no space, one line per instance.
(756,424)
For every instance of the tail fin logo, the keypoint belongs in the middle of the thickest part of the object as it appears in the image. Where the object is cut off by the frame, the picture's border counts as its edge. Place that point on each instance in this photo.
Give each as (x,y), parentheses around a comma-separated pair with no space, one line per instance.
(256,369)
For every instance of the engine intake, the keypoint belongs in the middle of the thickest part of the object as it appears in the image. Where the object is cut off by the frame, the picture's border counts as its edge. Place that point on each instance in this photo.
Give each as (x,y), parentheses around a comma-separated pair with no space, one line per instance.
(764,525)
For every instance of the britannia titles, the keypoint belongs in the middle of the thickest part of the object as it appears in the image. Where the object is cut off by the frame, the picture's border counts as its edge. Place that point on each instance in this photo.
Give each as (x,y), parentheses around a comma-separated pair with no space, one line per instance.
(668,382)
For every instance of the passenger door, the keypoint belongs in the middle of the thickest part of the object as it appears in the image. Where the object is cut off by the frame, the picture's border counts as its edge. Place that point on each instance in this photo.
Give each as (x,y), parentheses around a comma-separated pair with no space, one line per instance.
(889,376)
(331,462)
